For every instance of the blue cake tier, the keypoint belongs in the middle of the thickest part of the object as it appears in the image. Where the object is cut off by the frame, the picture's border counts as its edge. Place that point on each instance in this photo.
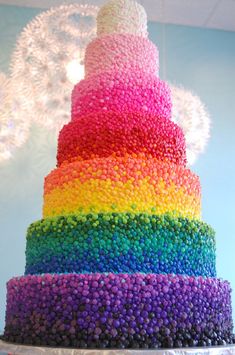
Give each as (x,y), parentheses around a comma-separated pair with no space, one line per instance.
(120,243)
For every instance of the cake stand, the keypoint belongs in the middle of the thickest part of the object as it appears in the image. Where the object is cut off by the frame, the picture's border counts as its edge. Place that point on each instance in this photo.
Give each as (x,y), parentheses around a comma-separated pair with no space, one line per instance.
(10,349)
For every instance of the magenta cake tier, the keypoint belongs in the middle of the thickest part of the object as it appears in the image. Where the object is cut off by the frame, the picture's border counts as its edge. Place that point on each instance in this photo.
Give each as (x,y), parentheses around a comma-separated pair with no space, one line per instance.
(121,52)
(105,134)
(118,310)
(121,92)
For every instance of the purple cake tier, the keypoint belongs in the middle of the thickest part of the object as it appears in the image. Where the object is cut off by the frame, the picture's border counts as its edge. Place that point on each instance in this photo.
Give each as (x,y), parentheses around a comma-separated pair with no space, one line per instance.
(118,310)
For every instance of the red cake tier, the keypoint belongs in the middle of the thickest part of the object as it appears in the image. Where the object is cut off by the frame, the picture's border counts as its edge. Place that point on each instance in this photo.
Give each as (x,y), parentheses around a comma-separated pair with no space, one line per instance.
(114,134)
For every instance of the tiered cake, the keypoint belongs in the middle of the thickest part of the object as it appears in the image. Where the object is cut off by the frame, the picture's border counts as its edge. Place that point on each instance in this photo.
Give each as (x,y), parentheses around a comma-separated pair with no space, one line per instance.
(121,258)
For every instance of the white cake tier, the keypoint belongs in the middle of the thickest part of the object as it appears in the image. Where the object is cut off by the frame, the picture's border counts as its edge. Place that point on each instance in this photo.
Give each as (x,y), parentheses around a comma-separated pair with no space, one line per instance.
(122,16)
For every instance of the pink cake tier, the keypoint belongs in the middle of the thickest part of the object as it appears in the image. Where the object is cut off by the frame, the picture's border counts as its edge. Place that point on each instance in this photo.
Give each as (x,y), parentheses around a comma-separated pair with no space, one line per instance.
(122,185)
(113,134)
(130,91)
(121,52)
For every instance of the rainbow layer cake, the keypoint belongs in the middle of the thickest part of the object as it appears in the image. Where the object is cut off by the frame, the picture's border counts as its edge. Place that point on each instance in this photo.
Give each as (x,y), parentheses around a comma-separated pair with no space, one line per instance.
(121,258)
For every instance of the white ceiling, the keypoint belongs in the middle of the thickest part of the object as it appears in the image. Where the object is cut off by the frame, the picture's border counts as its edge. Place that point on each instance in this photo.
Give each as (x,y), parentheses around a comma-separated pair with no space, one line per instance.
(218,14)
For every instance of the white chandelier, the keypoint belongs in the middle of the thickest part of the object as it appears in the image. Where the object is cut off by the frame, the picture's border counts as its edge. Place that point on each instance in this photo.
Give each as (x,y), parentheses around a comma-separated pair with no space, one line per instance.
(191,115)
(48,61)
(14,128)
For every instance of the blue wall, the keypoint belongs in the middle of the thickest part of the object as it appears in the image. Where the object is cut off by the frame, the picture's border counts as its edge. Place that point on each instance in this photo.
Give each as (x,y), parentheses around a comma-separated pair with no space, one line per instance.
(199,59)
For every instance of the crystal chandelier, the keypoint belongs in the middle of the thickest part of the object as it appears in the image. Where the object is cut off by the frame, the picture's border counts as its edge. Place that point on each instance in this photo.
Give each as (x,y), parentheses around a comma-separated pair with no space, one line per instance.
(48,61)
(190,114)
(14,128)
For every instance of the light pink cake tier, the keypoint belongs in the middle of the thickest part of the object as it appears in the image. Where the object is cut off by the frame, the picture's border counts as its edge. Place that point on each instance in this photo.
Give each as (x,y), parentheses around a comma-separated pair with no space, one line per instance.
(121,52)
(130,91)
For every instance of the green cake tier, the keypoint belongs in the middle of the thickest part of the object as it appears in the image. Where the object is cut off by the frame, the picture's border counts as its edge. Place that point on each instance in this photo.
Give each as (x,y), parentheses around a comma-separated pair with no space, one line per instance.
(120,243)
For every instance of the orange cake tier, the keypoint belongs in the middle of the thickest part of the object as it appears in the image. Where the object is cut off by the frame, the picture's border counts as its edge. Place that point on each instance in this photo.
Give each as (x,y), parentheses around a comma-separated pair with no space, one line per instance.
(122,185)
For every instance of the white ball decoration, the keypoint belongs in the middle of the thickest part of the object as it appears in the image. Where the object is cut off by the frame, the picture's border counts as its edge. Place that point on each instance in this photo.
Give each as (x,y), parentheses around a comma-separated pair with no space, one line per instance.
(43,65)
(190,114)
(14,128)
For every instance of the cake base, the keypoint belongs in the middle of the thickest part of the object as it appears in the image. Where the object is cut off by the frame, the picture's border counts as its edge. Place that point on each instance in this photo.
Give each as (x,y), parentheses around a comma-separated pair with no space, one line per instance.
(6,348)
(118,311)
